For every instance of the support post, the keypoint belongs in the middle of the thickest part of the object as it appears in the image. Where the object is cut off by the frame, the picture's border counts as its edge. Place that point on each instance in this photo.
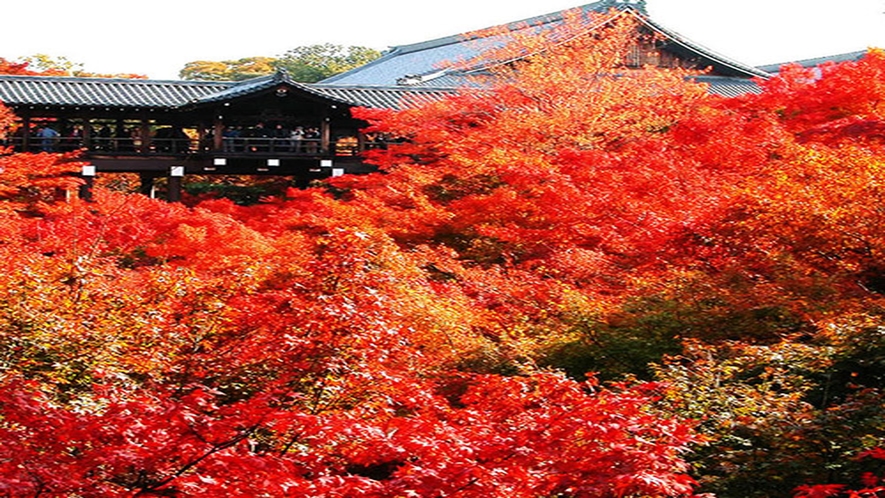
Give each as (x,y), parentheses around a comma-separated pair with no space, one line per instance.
(146,184)
(326,137)
(87,133)
(144,131)
(26,133)
(218,133)
(88,175)
(176,173)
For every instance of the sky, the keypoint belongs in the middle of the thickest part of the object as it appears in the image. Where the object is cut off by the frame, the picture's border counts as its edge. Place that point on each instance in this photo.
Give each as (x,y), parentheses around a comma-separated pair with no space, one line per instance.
(157,38)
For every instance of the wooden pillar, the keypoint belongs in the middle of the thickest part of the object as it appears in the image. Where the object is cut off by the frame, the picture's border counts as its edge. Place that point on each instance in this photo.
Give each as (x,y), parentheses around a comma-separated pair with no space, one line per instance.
(201,135)
(26,133)
(360,142)
(302,181)
(117,144)
(176,174)
(218,133)
(146,184)
(174,186)
(145,133)
(326,136)
(87,133)
(88,175)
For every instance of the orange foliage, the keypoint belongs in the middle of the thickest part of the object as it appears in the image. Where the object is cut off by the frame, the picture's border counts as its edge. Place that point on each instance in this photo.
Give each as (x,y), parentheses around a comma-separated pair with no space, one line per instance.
(21,68)
(385,337)
(8,67)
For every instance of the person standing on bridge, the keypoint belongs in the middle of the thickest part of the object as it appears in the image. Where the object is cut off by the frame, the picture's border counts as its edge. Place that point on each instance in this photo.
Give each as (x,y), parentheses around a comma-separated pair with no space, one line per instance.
(48,138)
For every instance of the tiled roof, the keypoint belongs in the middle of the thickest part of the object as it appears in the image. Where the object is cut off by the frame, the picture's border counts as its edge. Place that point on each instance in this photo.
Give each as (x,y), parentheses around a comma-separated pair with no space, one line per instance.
(429,57)
(383,97)
(405,76)
(850,56)
(722,65)
(240,88)
(147,94)
(727,86)
(108,92)
(50,91)
(400,97)
(425,63)
(261,83)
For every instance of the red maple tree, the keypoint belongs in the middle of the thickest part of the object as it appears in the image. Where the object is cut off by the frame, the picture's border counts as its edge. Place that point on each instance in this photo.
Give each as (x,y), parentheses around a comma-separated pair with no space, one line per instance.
(403,333)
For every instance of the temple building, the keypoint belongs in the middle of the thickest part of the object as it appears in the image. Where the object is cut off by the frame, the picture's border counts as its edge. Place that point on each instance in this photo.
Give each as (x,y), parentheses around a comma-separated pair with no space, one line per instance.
(272,125)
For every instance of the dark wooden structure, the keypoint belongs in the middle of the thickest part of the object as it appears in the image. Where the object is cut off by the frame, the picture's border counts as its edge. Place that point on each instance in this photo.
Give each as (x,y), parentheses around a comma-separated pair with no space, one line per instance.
(265,126)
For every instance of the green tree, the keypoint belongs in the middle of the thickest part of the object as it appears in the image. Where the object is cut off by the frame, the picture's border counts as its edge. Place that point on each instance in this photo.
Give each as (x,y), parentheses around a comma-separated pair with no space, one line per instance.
(308,64)
(206,70)
(229,70)
(311,63)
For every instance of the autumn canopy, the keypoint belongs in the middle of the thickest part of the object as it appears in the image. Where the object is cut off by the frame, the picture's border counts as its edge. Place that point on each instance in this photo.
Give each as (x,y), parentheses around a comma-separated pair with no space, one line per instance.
(585,281)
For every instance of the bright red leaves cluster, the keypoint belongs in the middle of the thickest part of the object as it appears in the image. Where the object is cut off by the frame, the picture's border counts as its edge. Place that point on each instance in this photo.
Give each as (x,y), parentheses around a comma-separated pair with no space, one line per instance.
(392,339)
(535,436)
(294,348)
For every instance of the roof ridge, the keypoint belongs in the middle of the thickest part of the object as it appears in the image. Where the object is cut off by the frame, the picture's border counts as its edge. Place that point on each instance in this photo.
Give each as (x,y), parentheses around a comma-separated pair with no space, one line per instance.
(815,61)
(91,79)
(397,88)
(725,60)
(600,6)
(523,23)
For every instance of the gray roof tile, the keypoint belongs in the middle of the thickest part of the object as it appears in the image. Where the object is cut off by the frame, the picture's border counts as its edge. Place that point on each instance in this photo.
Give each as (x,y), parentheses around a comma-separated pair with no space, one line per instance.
(847,57)
(721,64)
(429,60)
(431,56)
(727,86)
(49,91)
(383,97)
(109,92)
(380,83)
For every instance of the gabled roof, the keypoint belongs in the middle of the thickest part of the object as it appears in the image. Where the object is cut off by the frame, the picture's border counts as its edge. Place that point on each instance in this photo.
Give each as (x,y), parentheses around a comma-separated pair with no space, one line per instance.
(243,88)
(721,65)
(724,86)
(118,93)
(404,76)
(431,63)
(728,87)
(419,60)
(103,92)
(383,97)
(263,83)
(817,61)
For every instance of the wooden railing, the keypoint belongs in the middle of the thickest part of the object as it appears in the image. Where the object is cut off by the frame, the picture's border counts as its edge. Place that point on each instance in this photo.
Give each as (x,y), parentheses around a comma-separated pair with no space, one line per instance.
(273,146)
(177,146)
(170,146)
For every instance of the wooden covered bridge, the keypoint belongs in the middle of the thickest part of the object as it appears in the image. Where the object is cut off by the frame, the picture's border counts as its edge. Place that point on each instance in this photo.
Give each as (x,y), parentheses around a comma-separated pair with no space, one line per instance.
(269,125)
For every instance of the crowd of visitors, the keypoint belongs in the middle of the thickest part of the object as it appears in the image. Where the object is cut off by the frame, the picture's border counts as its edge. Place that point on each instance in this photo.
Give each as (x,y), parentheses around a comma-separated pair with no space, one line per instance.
(279,138)
(53,137)
(120,138)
